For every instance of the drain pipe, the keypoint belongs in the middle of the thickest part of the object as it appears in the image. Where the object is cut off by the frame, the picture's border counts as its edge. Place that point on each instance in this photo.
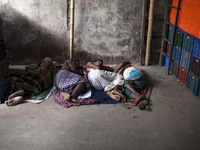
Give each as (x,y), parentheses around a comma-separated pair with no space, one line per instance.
(149,32)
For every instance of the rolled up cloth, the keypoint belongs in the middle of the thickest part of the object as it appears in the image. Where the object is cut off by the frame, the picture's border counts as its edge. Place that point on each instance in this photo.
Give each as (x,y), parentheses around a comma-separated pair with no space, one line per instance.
(133,76)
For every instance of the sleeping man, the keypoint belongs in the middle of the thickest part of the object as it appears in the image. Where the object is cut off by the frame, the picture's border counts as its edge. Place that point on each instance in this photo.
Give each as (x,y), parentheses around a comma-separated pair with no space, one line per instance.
(70,81)
(125,78)
(133,83)
(32,82)
(102,78)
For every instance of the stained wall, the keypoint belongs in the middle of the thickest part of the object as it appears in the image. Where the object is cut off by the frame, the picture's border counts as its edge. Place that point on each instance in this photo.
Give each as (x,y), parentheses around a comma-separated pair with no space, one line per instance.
(106,29)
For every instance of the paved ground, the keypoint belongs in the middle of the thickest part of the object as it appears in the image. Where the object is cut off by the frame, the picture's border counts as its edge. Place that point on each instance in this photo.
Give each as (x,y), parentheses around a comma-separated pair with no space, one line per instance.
(174,123)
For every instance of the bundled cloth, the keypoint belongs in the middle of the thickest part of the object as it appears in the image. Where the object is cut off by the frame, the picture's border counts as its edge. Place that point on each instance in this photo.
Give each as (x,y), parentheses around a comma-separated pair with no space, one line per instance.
(135,78)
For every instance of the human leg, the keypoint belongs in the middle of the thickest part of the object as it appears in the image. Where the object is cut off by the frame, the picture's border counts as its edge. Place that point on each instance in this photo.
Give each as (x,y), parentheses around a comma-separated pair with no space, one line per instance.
(19,92)
(14,101)
(143,103)
(113,96)
(120,71)
(116,93)
(120,67)
(137,96)
(79,89)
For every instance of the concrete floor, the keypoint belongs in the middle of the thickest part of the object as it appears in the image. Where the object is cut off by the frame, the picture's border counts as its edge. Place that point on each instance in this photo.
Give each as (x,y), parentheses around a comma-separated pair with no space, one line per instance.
(174,123)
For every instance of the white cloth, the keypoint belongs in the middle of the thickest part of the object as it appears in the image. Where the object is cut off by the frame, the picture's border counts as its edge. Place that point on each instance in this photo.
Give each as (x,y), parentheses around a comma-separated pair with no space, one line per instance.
(88,94)
(39,101)
(104,80)
(127,72)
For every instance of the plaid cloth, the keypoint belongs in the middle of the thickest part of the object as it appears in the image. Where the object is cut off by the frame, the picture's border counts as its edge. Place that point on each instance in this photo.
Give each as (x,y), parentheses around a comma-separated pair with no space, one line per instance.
(33,82)
(66,81)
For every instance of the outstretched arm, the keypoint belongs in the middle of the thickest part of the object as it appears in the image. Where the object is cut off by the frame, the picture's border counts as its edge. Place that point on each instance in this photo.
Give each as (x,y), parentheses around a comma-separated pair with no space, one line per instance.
(69,65)
(91,65)
(122,66)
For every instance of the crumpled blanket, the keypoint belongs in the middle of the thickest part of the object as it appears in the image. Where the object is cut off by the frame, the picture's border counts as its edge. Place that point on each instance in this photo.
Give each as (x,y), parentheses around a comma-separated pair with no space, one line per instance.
(33,82)
(62,102)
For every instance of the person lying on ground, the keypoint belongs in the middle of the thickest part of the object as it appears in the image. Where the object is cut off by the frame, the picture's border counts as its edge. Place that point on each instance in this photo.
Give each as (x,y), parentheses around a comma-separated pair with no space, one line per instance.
(102,79)
(98,64)
(32,82)
(71,81)
(134,83)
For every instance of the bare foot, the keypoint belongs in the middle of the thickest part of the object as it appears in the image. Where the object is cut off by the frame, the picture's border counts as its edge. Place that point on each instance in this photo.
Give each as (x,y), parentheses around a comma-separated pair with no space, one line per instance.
(113,96)
(119,94)
(17,93)
(139,99)
(74,101)
(142,104)
(66,96)
(14,101)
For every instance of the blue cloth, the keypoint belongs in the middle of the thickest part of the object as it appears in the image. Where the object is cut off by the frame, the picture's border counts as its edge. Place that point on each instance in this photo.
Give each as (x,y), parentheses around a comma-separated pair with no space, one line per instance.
(135,74)
(101,97)
(136,79)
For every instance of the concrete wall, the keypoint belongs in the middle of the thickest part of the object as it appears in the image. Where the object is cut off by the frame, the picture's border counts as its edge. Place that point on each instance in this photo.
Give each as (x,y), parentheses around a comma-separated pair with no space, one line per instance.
(34,29)
(107,29)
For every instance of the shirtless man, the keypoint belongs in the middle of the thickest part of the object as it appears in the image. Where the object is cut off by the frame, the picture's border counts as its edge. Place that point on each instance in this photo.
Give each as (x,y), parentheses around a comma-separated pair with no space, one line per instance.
(70,80)
(98,64)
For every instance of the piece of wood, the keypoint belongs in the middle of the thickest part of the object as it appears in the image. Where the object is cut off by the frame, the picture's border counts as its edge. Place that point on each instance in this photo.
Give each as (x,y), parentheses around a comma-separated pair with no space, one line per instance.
(149,32)
(143,32)
(71,47)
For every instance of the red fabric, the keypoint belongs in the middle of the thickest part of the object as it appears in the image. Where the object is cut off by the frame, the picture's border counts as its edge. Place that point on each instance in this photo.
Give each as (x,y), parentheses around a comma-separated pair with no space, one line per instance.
(108,68)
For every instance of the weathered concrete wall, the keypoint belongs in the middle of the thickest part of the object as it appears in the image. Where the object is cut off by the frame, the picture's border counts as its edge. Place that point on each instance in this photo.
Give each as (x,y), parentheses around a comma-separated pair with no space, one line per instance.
(107,29)
(34,29)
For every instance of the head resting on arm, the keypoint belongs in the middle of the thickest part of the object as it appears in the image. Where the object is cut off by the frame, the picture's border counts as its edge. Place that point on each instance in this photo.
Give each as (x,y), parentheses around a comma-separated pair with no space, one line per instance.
(98,62)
